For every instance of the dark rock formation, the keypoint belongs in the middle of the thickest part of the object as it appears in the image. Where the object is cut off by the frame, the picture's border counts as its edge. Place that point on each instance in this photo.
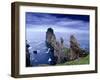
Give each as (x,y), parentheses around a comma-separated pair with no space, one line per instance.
(83,53)
(62,41)
(35,52)
(50,36)
(27,55)
(75,49)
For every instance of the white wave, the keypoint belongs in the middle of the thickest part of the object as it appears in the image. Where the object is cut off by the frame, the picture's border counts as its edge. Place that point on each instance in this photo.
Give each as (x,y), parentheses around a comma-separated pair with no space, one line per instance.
(49,60)
(30,48)
(48,50)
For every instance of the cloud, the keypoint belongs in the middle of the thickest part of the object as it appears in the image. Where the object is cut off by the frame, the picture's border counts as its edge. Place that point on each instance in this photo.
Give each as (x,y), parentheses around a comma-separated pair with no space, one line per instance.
(44,18)
(60,23)
(40,19)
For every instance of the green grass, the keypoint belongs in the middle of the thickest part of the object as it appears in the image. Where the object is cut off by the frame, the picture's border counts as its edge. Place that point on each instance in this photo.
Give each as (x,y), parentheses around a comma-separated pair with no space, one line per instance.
(83,60)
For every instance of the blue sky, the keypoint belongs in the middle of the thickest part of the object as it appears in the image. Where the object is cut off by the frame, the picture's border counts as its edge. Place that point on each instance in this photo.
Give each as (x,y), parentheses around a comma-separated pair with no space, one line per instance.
(59,22)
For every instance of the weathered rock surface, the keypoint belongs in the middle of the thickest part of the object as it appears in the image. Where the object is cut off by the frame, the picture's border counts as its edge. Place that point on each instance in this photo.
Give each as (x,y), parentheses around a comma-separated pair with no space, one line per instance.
(55,47)
(50,36)
(75,49)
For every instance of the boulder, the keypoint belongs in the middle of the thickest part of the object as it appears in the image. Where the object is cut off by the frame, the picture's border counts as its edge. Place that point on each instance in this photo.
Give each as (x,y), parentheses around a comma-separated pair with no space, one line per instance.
(35,52)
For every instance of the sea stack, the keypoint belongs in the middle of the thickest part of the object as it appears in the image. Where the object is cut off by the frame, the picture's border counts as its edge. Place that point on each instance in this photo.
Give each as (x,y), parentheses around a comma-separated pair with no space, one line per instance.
(56,47)
(50,36)
(75,49)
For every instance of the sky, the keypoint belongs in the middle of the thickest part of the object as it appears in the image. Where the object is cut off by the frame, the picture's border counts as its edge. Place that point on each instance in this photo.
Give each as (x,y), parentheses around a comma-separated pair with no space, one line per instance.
(59,22)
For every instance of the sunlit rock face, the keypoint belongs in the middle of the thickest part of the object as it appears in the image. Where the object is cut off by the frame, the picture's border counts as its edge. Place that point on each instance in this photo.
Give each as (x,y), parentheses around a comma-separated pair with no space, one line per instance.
(75,49)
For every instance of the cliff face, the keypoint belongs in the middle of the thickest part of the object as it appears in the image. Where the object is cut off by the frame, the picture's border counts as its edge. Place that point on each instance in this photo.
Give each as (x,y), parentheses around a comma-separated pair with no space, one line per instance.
(75,49)
(50,36)
(55,46)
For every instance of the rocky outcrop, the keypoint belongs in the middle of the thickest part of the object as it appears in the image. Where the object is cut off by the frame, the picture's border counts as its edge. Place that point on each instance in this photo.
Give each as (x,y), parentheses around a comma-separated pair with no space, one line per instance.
(56,48)
(28,63)
(50,36)
(75,49)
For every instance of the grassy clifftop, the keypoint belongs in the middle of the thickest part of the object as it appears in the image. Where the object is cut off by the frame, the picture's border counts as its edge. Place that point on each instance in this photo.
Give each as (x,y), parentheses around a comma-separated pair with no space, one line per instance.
(83,60)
